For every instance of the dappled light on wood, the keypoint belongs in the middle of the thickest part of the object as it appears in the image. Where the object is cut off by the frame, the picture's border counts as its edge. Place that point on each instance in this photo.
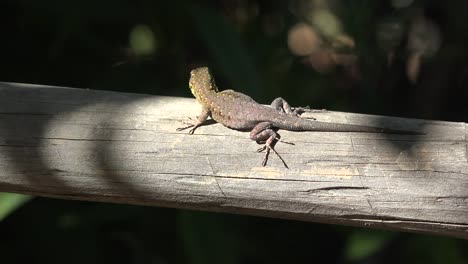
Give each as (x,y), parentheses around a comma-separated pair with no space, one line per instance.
(124,148)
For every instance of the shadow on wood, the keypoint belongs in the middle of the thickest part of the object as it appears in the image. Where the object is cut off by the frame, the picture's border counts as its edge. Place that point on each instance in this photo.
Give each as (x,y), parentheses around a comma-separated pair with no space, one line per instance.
(124,148)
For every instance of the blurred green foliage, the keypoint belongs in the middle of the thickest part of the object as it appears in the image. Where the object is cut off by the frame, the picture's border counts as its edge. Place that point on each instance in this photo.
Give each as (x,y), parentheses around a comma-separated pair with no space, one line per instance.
(151,46)
(363,244)
(9,202)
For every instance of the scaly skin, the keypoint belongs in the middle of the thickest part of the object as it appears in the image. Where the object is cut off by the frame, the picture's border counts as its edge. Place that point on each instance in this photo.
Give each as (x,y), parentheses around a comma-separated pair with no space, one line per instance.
(238,111)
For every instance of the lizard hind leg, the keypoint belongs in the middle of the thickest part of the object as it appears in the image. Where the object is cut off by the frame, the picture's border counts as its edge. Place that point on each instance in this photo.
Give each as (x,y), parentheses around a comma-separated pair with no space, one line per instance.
(263,132)
(283,106)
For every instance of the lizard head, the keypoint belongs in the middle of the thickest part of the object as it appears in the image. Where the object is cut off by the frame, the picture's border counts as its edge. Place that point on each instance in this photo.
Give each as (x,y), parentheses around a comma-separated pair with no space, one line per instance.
(201,80)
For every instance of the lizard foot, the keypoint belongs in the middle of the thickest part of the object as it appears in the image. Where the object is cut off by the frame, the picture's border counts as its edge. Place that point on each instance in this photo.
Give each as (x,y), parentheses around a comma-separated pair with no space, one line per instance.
(267,153)
(194,124)
(189,124)
(191,131)
(186,127)
(265,132)
(183,128)
(298,111)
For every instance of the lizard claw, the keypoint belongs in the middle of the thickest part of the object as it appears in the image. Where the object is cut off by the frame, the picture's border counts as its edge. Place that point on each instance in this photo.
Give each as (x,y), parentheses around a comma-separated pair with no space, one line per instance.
(193,124)
(286,142)
(279,156)
(278,139)
(261,149)
(191,131)
(265,158)
(183,128)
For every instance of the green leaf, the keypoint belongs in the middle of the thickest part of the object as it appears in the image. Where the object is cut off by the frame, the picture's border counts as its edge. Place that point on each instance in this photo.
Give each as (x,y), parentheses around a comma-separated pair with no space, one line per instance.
(362,244)
(9,202)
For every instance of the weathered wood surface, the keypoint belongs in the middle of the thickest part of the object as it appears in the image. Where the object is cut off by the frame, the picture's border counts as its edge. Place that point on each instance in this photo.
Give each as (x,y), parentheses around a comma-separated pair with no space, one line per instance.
(123,148)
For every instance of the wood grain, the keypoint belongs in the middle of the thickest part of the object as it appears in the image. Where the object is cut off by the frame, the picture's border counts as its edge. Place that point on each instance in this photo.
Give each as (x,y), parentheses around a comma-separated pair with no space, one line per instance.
(123,148)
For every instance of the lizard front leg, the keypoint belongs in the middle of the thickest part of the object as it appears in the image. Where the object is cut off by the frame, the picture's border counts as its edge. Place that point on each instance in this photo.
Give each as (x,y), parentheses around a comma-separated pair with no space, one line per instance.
(283,106)
(201,118)
(264,132)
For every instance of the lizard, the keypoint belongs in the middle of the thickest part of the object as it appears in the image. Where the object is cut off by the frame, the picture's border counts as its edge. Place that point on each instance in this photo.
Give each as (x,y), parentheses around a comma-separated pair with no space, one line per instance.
(238,111)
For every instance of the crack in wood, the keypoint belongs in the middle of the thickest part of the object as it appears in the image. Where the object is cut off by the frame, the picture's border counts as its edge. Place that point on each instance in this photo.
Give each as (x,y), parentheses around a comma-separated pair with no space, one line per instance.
(333,188)
(395,220)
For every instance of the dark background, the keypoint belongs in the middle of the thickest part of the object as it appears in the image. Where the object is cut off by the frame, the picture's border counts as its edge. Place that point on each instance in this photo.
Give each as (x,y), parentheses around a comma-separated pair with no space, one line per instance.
(400,57)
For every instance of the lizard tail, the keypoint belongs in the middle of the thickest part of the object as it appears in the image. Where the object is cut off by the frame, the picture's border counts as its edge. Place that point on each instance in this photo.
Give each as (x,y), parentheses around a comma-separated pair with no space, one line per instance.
(302,124)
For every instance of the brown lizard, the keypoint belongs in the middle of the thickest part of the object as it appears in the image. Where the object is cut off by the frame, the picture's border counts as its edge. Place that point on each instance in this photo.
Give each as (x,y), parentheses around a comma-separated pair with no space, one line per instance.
(238,111)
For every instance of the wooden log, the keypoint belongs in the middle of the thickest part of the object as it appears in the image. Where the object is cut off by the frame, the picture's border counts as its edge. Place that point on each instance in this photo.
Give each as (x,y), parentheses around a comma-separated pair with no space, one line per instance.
(124,148)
